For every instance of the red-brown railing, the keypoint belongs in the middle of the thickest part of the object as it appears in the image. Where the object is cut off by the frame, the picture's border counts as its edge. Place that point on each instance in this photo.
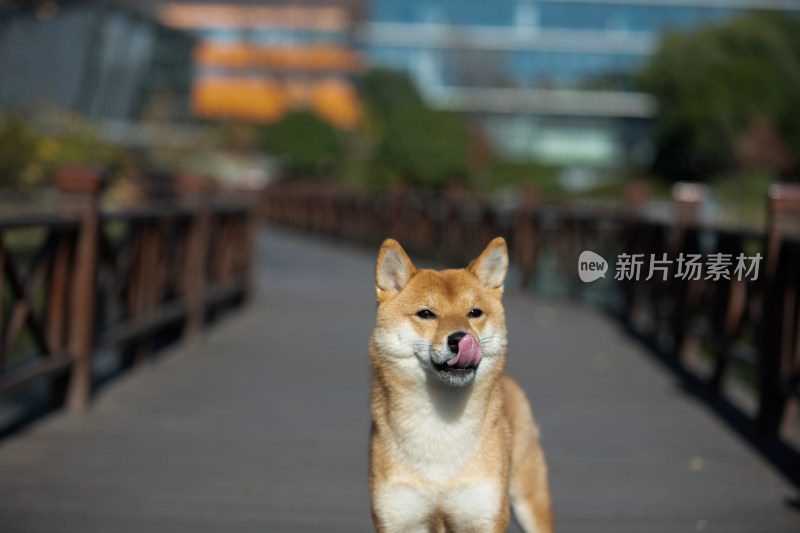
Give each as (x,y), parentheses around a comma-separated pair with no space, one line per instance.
(707,327)
(85,281)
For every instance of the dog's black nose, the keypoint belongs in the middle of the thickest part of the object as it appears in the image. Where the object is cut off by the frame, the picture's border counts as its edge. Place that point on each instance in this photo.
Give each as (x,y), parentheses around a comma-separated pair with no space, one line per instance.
(453,340)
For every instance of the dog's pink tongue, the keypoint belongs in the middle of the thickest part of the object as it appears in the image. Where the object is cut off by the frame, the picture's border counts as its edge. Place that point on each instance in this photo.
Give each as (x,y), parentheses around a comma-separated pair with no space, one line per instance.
(469,352)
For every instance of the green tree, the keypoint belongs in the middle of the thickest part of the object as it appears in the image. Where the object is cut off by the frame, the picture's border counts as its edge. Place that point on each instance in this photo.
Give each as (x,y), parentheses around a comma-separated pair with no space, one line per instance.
(305,144)
(411,141)
(29,158)
(721,85)
(386,90)
(19,147)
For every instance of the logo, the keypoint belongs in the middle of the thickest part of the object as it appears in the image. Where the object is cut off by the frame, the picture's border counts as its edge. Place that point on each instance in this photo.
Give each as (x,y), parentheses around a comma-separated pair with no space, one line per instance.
(591,266)
(635,267)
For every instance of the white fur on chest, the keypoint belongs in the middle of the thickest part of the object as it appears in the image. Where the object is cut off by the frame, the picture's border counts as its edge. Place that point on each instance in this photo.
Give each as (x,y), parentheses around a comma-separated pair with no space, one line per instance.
(403,507)
(434,448)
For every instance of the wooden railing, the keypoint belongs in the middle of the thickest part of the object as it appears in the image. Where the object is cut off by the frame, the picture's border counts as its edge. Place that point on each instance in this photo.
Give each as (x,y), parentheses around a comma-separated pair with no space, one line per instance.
(85,281)
(709,328)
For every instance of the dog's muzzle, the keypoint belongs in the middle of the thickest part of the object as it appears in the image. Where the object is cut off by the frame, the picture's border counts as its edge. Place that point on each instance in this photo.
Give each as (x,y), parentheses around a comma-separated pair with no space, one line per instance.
(459,370)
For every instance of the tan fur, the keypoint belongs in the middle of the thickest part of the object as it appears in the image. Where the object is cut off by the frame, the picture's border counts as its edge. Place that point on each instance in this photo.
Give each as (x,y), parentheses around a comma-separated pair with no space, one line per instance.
(449,458)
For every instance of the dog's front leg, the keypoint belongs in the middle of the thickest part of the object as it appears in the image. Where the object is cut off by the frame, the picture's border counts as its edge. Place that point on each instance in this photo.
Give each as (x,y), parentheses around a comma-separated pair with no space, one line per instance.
(476,508)
(402,508)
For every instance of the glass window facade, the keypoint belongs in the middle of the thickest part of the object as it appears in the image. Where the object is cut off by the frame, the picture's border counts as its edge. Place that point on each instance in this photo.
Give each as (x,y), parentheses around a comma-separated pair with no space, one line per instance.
(514,68)
(594,24)
(459,49)
(551,14)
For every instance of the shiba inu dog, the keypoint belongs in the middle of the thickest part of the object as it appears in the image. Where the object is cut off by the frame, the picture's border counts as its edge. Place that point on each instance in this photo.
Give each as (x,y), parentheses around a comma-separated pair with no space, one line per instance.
(453,439)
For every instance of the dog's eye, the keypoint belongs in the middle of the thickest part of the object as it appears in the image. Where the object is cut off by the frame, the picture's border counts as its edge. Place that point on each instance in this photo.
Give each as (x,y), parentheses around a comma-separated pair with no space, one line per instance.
(426,313)
(474,313)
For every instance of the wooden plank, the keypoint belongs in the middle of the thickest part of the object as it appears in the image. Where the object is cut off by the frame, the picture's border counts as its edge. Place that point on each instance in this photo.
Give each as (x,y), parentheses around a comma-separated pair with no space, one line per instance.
(57,294)
(255,428)
(52,220)
(53,365)
(138,328)
(2,287)
(23,312)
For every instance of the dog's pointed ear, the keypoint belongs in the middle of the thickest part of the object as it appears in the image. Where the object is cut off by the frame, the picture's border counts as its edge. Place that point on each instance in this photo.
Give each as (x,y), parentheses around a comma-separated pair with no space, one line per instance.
(393,269)
(491,266)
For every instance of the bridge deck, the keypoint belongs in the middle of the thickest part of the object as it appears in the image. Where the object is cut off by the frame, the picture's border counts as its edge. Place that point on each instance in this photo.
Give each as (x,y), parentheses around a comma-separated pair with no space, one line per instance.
(262,425)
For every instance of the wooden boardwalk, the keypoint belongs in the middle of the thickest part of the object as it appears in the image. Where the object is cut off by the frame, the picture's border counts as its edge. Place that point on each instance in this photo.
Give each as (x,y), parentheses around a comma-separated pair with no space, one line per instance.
(262,425)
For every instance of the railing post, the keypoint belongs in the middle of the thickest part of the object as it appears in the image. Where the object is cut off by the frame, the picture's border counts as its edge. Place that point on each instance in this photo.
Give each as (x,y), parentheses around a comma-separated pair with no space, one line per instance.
(455,196)
(249,251)
(79,189)
(635,197)
(687,201)
(526,243)
(57,317)
(146,283)
(194,191)
(778,357)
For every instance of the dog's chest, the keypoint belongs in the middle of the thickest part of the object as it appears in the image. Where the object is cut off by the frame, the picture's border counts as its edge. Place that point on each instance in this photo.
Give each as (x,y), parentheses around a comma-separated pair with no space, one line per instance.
(441,471)
(410,506)
(435,449)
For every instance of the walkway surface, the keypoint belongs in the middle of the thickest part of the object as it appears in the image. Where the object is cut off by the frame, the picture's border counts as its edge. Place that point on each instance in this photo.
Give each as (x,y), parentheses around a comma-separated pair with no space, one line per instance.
(262,425)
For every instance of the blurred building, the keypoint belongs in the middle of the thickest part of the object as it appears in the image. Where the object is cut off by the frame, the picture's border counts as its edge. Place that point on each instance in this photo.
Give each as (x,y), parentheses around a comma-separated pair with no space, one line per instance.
(102,59)
(548,79)
(258,60)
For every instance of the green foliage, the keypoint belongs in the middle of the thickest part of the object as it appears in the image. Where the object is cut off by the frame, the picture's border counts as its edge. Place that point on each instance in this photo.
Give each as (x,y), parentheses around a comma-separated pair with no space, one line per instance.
(741,197)
(508,173)
(305,144)
(385,90)
(712,83)
(425,147)
(411,142)
(29,159)
(19,146)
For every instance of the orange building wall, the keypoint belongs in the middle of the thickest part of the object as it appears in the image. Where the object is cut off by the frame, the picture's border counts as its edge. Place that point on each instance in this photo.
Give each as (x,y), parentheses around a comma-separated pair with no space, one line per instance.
(262,83)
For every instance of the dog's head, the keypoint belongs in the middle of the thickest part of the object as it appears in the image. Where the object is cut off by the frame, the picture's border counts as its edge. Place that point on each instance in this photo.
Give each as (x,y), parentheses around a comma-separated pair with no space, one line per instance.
(448,323)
